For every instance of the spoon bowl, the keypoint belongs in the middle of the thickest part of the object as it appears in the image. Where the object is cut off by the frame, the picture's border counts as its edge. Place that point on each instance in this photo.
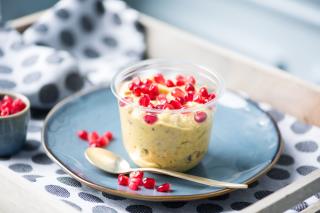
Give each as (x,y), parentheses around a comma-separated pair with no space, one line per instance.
(112,163)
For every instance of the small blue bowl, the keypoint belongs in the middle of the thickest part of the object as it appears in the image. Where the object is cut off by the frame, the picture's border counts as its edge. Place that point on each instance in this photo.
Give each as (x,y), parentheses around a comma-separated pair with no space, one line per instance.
(13,128)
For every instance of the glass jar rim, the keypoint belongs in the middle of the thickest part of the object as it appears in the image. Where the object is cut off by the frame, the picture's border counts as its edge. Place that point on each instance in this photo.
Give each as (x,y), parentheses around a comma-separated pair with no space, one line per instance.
(145,63)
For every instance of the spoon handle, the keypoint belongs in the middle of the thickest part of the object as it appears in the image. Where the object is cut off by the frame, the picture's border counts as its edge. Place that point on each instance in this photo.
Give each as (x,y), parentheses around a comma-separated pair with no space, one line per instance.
(193,178)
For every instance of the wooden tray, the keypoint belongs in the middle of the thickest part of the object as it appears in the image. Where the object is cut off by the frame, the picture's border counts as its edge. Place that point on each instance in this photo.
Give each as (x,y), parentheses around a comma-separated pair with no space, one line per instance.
(261,82)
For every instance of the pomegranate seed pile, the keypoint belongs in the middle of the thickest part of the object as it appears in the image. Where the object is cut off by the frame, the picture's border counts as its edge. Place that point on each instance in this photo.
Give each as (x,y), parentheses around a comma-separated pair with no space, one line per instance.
(136,180)
(157,92)
(94,139)
(10,106)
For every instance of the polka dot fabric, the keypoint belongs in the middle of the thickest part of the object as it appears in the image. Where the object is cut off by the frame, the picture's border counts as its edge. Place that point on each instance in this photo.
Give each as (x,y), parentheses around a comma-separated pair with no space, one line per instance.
(103,36)
(301,156)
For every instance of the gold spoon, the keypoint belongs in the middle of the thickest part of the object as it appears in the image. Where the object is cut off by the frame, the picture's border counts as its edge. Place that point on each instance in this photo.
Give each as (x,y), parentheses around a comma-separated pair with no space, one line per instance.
(112,163)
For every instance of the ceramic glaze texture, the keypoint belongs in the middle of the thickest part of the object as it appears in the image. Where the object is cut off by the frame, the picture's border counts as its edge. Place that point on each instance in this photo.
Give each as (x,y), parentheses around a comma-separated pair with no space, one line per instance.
(246,142)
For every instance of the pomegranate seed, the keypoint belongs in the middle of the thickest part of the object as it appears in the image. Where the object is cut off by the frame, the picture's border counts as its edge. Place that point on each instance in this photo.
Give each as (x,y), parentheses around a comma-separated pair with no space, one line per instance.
(189,87)
(164,187)
(158,78)
(191,79)
(203,92)
(150,119)
(144,100)
(189,97)
(211,96)
(153,90)
(199,99)
(137,91)
(200,116)
(168,106)
(136,81)
(131,86)
(127,99)
(123,180)
(177,92)
(144,89)
(137,181)
(136,174)
(5,112)
(181,100)
(175,104)
(162,99)
(102,141)
(7,99)
(169,83)
(83,134)
(180,83)
(147,82)
(93,137)
(133,186)
(180,78)
(149,183)
(109,135)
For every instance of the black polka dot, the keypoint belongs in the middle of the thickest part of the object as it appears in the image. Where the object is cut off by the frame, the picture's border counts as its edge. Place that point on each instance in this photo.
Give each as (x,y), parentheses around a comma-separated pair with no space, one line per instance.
(6,84)
(86,23)
(99,7)
(49,94)
(278,174)
(301,206)
(103,209)
(57,190)
(74,81)
(62,14)
(20,167)
(54,58)
(1,52)
(139,209)
(91,53)
(18,45)
(73,205)
(276,115)
(220,197)
(174,205)
(254,184)
(67,38)
(139,27)
(89,197)
(32,178)
(300,128)
(285,160)
(261,194)
(209,208)
(307,146)
(304,170)
(41,158)
(32,77)
(69,181)
(30,60)
(4,158)
(116,19)
(112,197)
(239,205)
(34,128)
(41,28)
(31,145)
(4,69)
(60,172)
(110,41)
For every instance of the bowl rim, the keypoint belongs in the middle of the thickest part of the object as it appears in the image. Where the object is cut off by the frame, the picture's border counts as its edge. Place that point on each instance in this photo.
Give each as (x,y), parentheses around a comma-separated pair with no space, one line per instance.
(15,95)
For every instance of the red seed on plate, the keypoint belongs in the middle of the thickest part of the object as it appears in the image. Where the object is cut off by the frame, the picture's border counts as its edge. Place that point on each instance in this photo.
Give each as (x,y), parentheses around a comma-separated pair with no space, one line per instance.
(144,100)
(204,92)
(133,186)
(158,78)
(93,137)
(136,174)
(177,92)
(123,180)
(83,134)
(175,104)
(164,187)
(150,118)
(137,181)
(102,141)
(169,83)
(149,183)
(189,87)
(191,79)
(200,116)
(109,135)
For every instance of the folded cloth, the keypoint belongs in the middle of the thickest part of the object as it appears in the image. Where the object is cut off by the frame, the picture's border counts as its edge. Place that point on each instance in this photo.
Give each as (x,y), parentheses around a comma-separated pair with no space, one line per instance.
(103,36)
(41,73)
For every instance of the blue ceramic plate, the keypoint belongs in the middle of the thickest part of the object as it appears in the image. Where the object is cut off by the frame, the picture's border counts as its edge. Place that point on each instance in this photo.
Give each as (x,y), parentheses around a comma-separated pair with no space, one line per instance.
(245,144)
